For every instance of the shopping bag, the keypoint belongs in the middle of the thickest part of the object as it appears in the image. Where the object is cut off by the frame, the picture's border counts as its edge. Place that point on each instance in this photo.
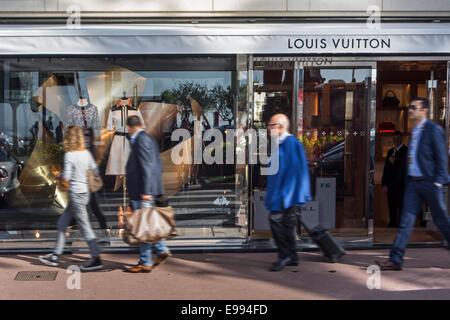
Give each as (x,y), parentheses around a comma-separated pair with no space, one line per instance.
(149,225)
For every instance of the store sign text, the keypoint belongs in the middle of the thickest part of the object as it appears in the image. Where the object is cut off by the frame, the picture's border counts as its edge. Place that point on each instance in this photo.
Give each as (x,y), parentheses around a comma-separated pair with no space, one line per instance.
(339,43)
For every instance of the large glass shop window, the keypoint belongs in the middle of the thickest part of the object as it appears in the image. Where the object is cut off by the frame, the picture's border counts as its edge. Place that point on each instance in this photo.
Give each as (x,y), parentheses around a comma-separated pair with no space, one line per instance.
(41,97)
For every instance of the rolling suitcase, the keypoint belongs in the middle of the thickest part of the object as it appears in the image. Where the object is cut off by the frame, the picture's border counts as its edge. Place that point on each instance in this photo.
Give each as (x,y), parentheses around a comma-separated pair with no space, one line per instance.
(331,249)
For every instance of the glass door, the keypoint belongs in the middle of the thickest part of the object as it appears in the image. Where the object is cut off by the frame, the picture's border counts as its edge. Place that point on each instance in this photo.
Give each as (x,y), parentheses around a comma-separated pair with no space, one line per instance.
(273,93)
(335,124)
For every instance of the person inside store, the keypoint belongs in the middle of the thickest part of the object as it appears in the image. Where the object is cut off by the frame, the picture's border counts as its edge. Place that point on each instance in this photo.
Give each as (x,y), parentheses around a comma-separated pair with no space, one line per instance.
(77,161)
(34,130)
(59,132)
(49,124)
(394,175)
(426,182)
(144,168)
(287,188)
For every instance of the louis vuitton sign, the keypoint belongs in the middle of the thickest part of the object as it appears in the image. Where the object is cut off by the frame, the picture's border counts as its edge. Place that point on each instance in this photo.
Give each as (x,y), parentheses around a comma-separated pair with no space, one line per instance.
(331,38)
(339,43)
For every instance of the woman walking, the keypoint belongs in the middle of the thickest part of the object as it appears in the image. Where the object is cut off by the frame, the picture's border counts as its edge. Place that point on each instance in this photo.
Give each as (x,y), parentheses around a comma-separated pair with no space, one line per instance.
(77,161)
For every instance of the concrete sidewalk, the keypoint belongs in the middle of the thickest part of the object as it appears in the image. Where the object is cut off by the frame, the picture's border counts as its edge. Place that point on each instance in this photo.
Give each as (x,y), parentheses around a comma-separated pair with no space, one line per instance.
(236,276)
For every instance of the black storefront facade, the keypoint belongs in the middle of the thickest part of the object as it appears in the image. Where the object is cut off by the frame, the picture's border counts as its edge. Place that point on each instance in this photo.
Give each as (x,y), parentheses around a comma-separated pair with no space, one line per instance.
(332,80)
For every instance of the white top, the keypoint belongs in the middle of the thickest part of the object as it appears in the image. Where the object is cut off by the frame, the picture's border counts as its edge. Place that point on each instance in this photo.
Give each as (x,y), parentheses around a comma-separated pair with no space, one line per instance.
(76,165)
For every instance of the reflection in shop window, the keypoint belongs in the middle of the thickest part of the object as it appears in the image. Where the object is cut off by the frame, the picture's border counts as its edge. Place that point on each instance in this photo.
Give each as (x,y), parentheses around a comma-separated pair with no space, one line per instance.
(41,97)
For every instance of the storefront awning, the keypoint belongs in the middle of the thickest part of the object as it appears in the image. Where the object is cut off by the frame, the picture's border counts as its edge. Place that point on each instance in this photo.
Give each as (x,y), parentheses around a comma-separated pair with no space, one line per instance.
(405,38)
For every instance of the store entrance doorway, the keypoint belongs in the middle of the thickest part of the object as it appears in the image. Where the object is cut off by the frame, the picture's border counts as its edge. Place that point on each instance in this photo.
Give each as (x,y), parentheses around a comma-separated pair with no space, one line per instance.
(330,108)
(397,84)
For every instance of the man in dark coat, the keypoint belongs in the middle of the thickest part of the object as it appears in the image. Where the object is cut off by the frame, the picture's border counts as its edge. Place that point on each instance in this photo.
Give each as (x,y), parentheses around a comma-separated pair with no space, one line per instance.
(144,185)
(394,177)
(426,182)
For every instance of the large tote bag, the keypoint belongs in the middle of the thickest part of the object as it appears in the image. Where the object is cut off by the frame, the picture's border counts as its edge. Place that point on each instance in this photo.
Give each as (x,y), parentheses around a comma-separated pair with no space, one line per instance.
(149,225)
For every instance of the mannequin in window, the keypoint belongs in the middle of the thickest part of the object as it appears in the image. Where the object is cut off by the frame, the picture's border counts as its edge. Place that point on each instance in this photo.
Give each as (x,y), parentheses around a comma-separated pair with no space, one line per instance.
(85,115)
(120,147)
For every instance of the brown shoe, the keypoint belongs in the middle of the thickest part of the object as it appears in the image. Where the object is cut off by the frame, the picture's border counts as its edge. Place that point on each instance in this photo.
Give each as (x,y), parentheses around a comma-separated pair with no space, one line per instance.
(162,258)
(388,265)
(139,268)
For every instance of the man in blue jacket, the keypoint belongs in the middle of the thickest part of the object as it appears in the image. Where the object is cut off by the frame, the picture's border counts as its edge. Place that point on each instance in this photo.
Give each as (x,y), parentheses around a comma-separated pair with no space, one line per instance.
(426,181)
(144,185)
(287,188)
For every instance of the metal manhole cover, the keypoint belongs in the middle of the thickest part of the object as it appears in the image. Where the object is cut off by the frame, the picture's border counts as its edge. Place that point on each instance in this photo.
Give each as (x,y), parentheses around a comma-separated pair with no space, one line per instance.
(36,276)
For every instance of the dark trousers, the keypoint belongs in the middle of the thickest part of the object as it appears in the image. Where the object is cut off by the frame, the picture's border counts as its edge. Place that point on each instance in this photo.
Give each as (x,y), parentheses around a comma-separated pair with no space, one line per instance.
(282,225)
(95,209)
(417,193)
(395,204)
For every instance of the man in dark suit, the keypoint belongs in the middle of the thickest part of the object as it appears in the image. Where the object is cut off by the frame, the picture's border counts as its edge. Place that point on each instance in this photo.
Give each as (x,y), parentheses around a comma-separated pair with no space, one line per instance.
(426,182)
(394,174)
(144,185)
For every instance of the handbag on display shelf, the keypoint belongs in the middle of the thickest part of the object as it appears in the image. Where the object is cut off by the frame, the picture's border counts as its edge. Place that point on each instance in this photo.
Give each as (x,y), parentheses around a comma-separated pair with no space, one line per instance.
(390,100)
(149,225)
(95,181)
(386,126)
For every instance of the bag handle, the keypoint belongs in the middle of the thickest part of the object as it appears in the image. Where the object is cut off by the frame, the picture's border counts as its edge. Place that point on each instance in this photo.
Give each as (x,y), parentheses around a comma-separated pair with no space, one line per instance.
(390,91)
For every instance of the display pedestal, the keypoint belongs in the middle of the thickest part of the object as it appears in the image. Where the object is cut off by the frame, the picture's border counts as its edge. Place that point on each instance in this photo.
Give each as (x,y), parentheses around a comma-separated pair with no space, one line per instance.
(261,214)
(326,196)
(309,212)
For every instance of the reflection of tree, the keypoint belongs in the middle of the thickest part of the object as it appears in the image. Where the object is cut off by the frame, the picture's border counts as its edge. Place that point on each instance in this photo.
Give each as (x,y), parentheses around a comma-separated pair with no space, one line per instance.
(181,95)
(218,99)
(223,102)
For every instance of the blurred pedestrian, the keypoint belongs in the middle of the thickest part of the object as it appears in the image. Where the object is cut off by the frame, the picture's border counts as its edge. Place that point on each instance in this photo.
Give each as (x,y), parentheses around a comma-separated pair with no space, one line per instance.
(34,130)
(144,170)
(288,188)
(59,132)
(426,182)
(77,162)
(394,177)
(49,125)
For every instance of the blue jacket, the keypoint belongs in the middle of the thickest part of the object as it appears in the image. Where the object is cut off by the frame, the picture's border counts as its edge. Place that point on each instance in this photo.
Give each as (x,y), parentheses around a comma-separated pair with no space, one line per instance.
(144,168)
(290,185)
(432,154)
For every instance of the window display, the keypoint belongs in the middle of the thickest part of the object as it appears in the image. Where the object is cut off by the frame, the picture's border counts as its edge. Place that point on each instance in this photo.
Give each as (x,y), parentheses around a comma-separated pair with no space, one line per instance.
(41,97)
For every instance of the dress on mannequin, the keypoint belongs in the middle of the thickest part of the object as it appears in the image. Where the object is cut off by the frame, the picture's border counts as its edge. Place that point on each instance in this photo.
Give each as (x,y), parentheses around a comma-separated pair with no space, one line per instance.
(84,115)
(120,147)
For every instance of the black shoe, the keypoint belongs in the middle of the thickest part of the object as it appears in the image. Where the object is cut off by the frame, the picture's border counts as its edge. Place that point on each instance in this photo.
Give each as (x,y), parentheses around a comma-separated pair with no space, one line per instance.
(50,259)
(293,263)
(92,264)
(280,264)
